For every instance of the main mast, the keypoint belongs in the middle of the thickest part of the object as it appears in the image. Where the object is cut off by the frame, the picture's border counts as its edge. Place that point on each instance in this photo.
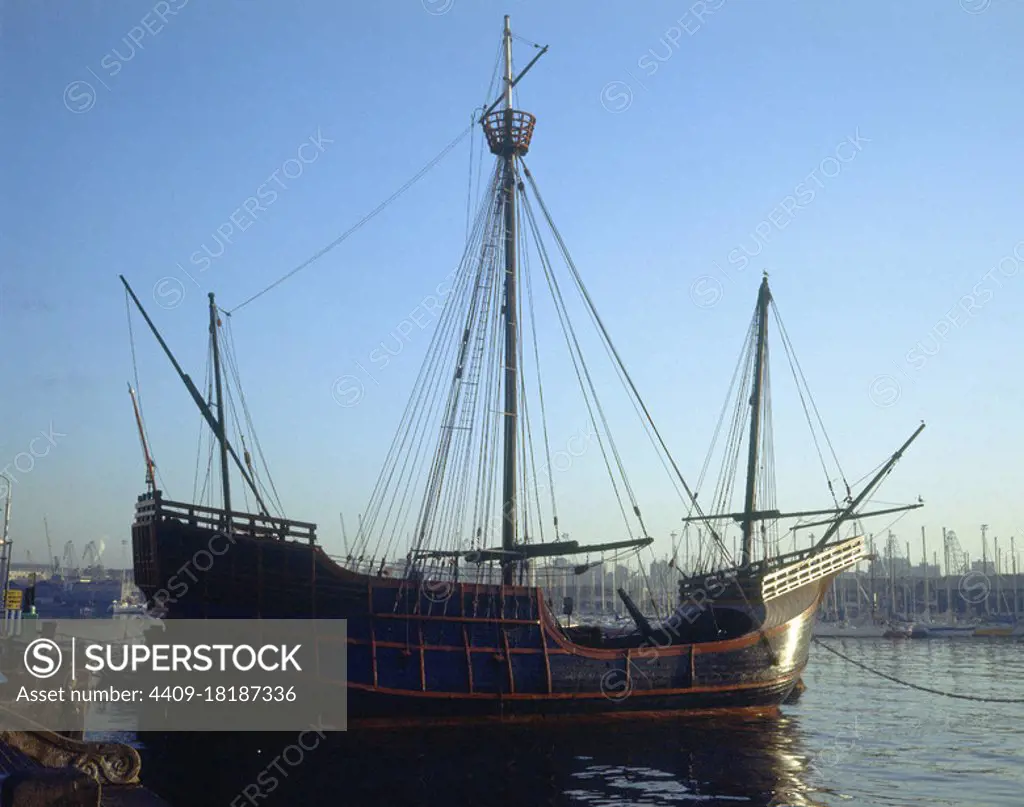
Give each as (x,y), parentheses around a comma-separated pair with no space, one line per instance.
(221,434)
(508,136)
(508,188)
(763,298)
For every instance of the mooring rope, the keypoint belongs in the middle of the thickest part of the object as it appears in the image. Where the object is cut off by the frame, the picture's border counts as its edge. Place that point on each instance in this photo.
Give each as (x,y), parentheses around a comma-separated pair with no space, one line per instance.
(918,687)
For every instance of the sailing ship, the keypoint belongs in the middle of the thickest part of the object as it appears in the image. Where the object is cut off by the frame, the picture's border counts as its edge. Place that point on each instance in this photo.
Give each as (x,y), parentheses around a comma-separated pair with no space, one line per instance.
(459,625)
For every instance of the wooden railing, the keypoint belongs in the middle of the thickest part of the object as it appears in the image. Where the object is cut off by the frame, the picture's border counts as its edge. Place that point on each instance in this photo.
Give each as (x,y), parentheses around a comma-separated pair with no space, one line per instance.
(829,561)
(153,507)
(751,578)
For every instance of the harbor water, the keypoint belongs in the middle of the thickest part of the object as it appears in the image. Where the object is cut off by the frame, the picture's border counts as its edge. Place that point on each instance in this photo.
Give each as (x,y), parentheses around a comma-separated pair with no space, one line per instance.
(853,738)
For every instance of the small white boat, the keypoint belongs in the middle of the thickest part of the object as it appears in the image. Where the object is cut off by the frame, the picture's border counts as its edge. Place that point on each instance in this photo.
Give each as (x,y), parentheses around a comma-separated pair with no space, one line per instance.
(937,631)
(999,630)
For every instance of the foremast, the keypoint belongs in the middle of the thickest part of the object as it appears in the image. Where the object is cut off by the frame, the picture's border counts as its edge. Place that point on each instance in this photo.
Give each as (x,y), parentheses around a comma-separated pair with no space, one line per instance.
(216,424)
(764,297)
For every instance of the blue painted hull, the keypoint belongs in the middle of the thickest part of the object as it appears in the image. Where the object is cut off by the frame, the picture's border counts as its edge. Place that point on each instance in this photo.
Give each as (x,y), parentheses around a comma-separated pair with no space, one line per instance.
(436,651)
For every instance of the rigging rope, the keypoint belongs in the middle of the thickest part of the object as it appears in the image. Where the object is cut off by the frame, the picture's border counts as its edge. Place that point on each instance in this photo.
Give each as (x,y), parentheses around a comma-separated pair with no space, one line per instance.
(540,397)
(406,456)
(529,464)
(736,375)
(739,394)
(469,191)
(435,512)
(600,324)
(526,41)
(912,685)
(199,495)
(230,417)
(373,213)
(769,501)
(231,360)
(571,334)
(791,354)
(575,354)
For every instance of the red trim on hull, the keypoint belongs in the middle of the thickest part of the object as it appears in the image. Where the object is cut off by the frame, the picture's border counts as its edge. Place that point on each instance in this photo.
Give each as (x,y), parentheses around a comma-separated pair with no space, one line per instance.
(605,717)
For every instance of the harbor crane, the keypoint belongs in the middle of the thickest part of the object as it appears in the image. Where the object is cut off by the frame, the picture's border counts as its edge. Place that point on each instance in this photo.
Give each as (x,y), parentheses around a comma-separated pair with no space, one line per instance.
(69,561)
(92,562)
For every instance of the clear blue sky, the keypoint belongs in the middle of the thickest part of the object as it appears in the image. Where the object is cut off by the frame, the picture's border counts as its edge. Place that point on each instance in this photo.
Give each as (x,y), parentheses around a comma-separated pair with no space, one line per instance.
(666,141)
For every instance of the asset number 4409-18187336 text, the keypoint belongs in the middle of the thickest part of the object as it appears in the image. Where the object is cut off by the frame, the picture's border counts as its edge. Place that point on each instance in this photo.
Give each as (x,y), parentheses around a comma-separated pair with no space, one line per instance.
(224,694)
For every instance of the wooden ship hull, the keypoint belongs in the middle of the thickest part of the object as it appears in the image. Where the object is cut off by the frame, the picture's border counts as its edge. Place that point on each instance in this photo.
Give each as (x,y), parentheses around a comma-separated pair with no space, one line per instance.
(437,650)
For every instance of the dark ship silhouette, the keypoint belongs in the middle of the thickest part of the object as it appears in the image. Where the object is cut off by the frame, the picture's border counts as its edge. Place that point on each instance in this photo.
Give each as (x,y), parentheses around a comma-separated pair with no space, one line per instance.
(460,628)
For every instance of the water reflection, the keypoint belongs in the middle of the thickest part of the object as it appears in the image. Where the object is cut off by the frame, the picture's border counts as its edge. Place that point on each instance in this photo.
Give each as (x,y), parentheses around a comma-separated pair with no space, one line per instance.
(722,761)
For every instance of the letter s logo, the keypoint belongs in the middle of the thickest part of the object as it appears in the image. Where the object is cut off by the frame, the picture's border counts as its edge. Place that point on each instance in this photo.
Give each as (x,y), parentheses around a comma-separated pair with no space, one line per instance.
(43,658)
